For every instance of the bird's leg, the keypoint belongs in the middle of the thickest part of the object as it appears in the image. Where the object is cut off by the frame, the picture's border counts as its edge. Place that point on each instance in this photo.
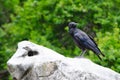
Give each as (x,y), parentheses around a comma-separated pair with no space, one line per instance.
(82,53)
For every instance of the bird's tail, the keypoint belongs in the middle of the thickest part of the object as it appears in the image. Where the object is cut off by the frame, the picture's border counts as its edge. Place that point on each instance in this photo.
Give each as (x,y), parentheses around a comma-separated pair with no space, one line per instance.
(101,52)
(97,51)
(99,57)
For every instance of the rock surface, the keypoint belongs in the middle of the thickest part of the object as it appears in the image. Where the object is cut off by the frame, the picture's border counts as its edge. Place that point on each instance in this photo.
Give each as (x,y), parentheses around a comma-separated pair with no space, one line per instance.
(35,62)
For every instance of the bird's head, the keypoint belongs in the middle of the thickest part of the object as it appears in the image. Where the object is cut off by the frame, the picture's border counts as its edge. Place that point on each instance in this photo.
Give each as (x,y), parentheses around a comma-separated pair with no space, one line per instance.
(72,25)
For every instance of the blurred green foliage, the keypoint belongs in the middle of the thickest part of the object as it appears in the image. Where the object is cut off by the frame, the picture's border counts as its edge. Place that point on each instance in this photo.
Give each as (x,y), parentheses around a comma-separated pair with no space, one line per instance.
(45,22)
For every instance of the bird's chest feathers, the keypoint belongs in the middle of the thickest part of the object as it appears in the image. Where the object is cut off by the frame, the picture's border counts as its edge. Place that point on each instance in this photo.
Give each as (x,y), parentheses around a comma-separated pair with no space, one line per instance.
(72,31)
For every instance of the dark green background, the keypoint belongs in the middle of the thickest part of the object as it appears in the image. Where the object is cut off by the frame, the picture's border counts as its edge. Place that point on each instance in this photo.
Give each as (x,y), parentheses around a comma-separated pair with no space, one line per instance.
(45,22)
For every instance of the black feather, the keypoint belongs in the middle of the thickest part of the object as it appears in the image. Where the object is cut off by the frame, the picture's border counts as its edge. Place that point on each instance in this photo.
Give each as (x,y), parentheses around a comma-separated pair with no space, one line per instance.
(83,40)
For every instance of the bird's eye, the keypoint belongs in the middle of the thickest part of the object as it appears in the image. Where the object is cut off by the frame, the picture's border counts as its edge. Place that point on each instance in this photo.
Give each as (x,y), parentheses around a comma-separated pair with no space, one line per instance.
(32,53)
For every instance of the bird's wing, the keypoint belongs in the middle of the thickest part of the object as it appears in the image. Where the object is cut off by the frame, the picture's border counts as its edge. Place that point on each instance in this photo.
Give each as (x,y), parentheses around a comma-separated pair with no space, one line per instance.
(85,40)
(92,40)
(96,45)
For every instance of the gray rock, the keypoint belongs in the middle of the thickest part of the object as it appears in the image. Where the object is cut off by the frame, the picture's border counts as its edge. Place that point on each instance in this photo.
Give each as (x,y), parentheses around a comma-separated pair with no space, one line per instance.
(35,62)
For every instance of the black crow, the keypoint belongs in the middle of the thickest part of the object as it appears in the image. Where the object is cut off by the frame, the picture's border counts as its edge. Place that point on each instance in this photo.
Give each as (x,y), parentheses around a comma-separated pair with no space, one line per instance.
(83,40)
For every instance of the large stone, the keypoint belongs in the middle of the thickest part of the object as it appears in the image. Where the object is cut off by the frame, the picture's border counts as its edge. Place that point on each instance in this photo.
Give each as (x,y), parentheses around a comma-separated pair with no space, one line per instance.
(35,62)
